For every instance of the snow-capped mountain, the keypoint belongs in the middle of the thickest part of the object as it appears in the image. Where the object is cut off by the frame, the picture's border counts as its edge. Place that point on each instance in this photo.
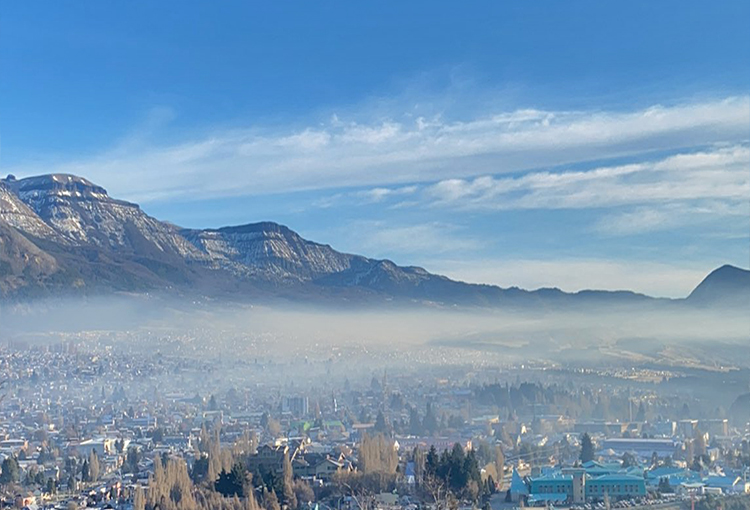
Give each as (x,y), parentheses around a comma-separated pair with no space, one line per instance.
(64,234)
(15,213)
(84,214)
(267,250)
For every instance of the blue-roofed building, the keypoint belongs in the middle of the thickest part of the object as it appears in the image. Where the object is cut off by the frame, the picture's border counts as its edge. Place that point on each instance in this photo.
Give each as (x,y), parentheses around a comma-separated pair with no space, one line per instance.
(590,482)
(727,484)
(548,498)
(675,476)
(551,484)
(518,488)
(618,486)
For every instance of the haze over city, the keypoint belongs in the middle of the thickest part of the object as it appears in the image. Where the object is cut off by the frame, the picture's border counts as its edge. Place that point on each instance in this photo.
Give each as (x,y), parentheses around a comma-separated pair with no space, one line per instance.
(392,256)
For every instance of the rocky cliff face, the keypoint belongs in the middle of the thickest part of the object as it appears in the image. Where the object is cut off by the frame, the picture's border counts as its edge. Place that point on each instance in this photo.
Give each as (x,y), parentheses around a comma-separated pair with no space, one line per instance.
(63,233)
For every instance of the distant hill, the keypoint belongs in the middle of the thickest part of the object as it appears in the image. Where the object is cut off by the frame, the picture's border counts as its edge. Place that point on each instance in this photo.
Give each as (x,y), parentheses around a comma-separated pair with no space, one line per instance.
(62,235)
(727,285)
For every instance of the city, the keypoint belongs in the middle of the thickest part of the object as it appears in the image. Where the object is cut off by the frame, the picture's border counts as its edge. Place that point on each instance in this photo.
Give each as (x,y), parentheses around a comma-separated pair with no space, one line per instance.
(393,255)
(94,421)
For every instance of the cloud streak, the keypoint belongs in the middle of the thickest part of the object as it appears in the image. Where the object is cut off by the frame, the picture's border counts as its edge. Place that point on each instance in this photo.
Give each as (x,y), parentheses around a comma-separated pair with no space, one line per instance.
(396,150)
(719,173)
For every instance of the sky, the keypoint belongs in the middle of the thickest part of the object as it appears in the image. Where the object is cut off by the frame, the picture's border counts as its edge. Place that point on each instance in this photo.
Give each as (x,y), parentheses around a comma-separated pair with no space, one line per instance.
(569,144)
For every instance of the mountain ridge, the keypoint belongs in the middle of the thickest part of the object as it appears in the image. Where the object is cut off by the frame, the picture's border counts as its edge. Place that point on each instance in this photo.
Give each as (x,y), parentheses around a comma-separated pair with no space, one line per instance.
(63,234)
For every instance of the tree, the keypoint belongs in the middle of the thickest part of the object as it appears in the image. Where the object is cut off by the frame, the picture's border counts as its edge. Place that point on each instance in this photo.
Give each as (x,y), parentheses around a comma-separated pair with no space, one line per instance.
(641,414)
(453,473)
(699,443)
(430,423)
(377,454)
(415,425)
(235,482)
(628,460)
(270,501)
(289,498)
(200,469)
(132,459)
(654,459)
(72,484)
(139,499)
(431,461)
(10,471)
(500,464)
(587,448)
(157,436)
(664,486)
(303,492)
(85,473)
(93,466)
(381,425)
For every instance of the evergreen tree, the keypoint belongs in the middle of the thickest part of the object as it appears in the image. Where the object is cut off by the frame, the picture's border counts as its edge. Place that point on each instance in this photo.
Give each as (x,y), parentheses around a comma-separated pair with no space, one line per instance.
(85,473)
(641,415)
(234,482)
(200,469)
(432,461)
(415,425)
(430,423)
(380,424)
(587,448)
(132,459)
(628,460)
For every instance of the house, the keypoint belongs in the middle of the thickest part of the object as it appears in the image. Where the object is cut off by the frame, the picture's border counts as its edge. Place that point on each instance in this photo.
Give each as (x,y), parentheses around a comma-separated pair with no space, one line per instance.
(319,466)
(268,458)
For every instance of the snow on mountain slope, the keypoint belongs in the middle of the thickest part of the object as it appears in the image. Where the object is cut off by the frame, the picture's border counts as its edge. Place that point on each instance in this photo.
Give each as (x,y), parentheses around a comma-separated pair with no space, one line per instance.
(18,215)
(83,213)
(62,233)
(268,250)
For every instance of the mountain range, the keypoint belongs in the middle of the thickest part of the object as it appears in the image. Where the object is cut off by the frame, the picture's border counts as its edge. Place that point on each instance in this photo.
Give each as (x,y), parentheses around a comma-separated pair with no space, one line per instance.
(64,235)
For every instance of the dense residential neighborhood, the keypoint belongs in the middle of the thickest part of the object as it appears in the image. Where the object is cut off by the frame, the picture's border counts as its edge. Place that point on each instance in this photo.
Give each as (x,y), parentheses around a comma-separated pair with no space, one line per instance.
(85,423)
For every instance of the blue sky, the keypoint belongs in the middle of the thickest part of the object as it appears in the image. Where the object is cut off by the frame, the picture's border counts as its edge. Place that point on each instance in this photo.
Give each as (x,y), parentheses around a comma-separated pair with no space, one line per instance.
(570,144)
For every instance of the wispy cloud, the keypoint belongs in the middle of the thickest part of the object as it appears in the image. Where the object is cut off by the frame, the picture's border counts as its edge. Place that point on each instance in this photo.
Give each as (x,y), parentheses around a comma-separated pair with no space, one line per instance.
(695,187)
(366,196)
(401,149)
(700,215)
(720,173)
(384,239)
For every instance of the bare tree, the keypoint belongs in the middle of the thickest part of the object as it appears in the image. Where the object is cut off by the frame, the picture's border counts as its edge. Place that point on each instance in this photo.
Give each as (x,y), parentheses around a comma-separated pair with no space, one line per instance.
(437,490)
